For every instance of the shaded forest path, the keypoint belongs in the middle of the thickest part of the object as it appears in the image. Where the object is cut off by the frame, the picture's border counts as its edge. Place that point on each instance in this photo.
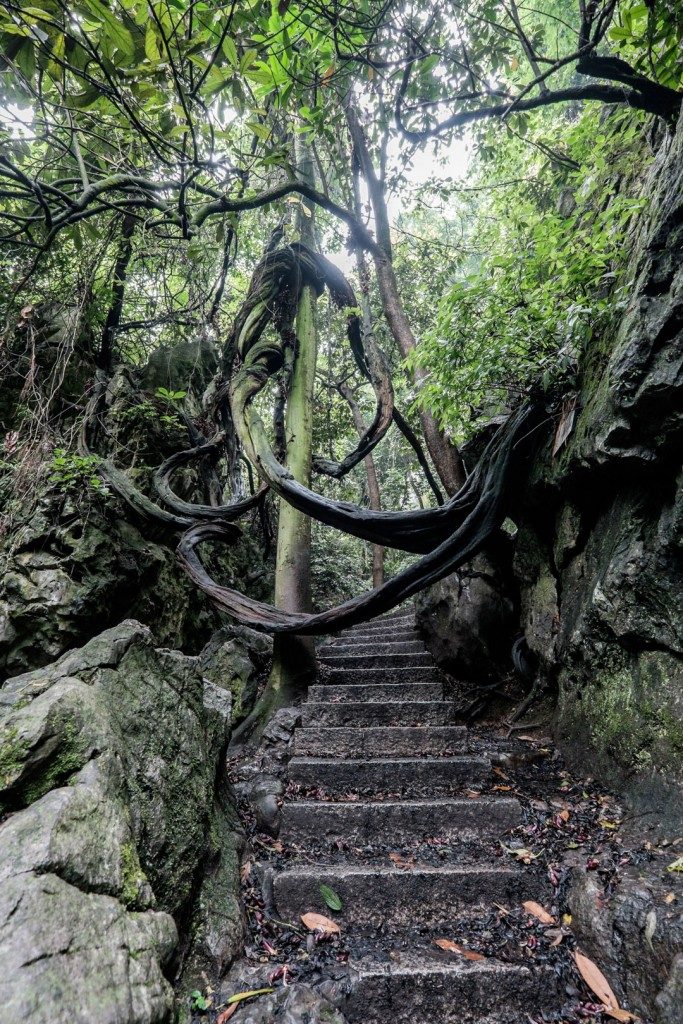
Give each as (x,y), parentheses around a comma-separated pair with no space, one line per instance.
(458,871)
(388,807)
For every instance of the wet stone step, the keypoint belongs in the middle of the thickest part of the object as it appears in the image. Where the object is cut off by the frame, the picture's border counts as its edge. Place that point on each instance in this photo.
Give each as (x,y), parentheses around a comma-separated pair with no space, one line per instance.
(424,990)
(383,741)
(371,661)
(375,692)
(387,674)
(381,895)
(394,821)
(389,775)
(366,713)
(346,648)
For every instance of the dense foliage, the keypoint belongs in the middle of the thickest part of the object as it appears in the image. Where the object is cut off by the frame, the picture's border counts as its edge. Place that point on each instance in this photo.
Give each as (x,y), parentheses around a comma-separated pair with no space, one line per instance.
(148,157)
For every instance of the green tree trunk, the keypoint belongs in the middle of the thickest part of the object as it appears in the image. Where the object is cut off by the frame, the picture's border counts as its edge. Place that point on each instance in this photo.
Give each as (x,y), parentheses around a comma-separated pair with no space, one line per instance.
(294,657)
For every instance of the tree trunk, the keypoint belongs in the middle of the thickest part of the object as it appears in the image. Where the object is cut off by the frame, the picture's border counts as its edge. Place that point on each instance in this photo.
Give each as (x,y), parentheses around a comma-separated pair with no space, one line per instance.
(373,485)
(445,455)
(294,657)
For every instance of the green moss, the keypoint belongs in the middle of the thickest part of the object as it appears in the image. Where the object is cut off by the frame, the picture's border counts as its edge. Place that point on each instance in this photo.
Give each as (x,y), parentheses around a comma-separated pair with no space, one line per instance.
(133,875)
(69,758)
(13,753)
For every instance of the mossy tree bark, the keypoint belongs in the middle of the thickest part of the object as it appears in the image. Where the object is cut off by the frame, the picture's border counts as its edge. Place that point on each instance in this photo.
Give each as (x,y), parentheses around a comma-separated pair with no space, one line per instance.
(294,657)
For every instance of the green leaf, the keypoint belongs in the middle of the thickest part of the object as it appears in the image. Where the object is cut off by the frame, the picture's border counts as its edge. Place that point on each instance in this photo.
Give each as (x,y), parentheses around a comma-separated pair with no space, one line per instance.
(230,51)
(330,897)
(119,35)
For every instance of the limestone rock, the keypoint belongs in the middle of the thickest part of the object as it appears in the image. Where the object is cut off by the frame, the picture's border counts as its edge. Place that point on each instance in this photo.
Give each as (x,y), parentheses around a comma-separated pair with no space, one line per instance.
(109,763)
(468,620)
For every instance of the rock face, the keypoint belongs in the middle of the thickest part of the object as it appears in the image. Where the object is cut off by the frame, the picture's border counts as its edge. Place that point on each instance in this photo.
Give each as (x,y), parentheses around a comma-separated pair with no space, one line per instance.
(75,561)
(468,619)
(597,554)
(119,834)
(638,939)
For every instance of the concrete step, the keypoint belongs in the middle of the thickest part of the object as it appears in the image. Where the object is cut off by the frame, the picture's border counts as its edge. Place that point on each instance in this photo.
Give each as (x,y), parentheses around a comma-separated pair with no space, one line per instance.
(388,674)
(376,692)
(415,659)
(435,712)
(381,895)
(397,820)
(423,988)
(384,741)
(353,647)
(389,775)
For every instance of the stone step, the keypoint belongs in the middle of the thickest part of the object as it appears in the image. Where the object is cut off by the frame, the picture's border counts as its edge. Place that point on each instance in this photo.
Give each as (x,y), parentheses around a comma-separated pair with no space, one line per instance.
(436,712)
(421,988)
(385,647)
(397,820)
(382,624)
(415,897)
(376,692)
(366,676)
(385,741)
(415,659)
(407,631)
(389,775)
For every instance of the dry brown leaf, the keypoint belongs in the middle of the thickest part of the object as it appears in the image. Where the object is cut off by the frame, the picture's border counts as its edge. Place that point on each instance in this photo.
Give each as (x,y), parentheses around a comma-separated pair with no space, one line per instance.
(501,789)
(319,923)
(227,1014)
(599,986)
(564,815)
(556,934)
(245,872)
(536,910)
(670,897)
(619,1014)
(453,947)
(472,794)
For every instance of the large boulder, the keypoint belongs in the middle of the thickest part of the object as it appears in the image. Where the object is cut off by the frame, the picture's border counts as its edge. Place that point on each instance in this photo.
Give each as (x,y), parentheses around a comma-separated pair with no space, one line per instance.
(468,619)
(119,834)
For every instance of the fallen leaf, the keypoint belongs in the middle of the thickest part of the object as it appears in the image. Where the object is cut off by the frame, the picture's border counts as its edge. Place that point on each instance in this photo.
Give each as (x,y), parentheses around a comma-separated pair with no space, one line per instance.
(567,920)
(536,910)
(501,773)
(472,794)
(556,934)
(503,910)
(676,865)
(318,923)
(599,986)
(453,947)
(564,815)
(227,1014)
(331,898)
(246,870)
(650,927)
(240,996)
(604,823)
(618,1014)
(501,789)
(670,897)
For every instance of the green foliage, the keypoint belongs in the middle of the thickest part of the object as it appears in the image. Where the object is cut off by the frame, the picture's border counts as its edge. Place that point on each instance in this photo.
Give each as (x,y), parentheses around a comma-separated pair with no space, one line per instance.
(547,274)
(331,898)
(650,35)
(199,1002)
(72,472)
(170,396)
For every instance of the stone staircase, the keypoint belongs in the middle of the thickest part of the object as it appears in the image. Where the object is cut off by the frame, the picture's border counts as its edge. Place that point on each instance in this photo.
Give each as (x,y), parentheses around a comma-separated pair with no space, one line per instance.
(379,765)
